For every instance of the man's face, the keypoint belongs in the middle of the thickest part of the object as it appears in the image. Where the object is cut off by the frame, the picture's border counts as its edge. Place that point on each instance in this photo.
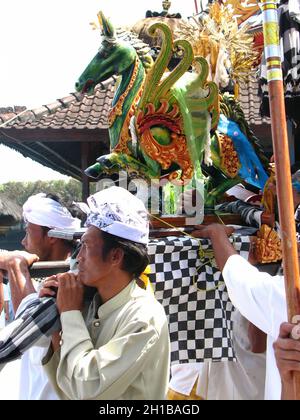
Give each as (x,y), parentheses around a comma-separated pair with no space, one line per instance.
(91,266)
(36,241)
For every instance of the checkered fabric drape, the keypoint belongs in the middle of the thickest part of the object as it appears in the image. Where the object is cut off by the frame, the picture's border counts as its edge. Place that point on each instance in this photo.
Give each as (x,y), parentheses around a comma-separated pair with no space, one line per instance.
(195,299)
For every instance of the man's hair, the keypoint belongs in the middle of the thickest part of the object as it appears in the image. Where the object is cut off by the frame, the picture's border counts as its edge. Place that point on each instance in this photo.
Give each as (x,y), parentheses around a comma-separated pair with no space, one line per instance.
(136,256)
(54,197)
(72,208)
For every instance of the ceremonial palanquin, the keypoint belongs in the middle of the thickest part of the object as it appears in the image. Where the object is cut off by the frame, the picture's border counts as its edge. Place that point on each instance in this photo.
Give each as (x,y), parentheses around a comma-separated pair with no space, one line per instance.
(169,124)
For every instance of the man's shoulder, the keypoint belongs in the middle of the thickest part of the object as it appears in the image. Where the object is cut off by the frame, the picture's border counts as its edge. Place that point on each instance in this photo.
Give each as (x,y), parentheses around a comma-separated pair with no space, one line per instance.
(144,307)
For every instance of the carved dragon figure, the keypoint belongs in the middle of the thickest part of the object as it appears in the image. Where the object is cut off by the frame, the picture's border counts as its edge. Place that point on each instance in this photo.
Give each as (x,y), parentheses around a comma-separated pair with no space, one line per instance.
(160,123)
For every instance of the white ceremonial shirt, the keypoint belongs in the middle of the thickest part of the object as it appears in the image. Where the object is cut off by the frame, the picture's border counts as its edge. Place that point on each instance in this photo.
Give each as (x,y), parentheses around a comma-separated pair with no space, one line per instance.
(261,299)
(34,382)
(119,350)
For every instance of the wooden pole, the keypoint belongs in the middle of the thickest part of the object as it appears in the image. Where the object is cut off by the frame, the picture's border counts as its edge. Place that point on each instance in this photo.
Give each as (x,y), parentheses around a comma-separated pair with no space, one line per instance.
(282,162)
(85,147)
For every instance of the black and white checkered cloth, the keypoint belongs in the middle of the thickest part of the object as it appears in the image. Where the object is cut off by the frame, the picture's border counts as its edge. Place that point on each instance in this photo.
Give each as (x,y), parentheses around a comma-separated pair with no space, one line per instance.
(195,299)
(40,318)
(289,33)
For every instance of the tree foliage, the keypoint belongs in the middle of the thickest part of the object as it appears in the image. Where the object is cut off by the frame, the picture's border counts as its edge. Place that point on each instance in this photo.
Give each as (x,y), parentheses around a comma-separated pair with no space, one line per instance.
(67,191)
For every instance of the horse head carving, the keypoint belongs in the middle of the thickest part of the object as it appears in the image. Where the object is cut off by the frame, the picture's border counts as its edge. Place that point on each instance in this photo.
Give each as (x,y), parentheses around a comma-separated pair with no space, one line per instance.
(160,123)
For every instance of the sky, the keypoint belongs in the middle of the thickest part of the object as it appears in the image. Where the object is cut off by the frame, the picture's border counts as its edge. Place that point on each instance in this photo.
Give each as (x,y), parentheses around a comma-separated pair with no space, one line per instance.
(45,47)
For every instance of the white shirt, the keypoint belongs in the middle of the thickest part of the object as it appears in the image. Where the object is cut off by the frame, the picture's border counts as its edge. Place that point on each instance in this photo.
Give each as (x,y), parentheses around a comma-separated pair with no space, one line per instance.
(34,382)
(261,299)
(118,350)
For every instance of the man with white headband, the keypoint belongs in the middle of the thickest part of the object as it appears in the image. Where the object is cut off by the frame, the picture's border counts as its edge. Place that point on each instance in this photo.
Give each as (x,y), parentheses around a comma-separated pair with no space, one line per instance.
(117,346)
(41,213)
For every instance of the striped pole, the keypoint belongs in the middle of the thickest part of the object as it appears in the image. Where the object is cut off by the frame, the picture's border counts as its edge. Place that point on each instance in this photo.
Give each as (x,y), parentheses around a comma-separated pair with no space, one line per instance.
(282,161)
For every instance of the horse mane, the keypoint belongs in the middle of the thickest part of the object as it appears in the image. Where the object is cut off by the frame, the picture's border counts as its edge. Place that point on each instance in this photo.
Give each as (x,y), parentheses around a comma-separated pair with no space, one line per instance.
(143,50)
(233,110)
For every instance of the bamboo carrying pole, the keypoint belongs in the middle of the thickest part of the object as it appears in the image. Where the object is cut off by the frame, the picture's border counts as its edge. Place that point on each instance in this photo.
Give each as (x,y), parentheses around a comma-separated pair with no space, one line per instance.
(282,162)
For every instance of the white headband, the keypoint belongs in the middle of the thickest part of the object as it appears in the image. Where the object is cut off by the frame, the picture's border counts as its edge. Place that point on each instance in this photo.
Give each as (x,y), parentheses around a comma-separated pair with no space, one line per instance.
(118,212)
(44,211)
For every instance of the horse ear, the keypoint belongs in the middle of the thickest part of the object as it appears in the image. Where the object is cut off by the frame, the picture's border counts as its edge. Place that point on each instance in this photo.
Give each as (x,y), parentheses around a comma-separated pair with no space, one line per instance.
(108,30)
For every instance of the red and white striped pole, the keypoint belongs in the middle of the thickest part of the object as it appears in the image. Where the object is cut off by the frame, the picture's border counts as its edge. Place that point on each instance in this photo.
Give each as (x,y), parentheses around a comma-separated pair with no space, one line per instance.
(282,162)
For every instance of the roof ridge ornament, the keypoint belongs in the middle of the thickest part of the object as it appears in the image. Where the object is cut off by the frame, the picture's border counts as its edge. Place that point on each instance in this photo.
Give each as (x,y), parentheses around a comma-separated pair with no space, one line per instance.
(166,4)
(243,10)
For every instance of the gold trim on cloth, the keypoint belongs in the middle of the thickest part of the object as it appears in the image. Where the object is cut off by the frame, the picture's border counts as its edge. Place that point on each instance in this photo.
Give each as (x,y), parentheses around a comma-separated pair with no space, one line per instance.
(173,395)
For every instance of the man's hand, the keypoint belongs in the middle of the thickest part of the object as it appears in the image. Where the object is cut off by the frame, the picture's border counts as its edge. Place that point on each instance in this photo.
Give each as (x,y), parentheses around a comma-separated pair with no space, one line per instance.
(208,231)
(70,293)
(218,234)
(287,353)
(29,258)
(21,257)
(49,287)
(16,265)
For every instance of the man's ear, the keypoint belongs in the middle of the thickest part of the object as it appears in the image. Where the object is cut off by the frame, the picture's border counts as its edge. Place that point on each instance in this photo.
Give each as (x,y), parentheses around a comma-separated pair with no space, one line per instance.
(116,257)
(52,241)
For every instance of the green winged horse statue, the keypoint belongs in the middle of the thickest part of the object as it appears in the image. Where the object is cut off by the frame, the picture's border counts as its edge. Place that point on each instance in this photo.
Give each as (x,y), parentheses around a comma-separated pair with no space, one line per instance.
(160,123)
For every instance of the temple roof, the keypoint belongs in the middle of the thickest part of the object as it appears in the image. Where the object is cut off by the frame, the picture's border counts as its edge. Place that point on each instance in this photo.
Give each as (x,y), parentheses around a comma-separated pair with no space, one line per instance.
(44,134)
(69,112)
(10,212)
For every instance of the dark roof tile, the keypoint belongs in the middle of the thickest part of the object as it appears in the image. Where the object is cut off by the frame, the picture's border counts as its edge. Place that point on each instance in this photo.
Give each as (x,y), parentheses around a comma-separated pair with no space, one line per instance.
(53,107)
(67,100)
(39,112)
(72,111)
(27,116)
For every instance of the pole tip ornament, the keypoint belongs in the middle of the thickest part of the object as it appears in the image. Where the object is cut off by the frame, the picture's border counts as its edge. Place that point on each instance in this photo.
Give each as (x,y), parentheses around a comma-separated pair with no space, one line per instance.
(166,4)
(108,31)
